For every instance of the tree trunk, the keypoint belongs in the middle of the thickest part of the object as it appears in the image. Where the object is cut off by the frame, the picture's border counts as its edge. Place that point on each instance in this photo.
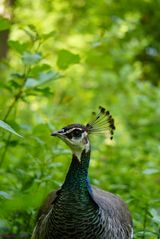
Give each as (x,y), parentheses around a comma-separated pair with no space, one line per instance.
(8,4)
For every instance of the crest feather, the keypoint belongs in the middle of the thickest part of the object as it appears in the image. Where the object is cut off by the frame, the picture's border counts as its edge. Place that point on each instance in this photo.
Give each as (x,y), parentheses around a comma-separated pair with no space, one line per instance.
(102,122)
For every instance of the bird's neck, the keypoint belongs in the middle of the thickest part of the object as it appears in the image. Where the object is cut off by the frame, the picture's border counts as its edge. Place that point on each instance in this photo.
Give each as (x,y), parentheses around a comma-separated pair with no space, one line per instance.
(77,176)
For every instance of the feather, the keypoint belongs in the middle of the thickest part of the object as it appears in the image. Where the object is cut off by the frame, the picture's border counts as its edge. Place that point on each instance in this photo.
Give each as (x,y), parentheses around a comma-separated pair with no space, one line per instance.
(102,122)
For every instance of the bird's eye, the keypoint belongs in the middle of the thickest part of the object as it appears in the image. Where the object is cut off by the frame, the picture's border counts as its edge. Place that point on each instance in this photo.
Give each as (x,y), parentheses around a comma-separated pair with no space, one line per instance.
(77,133)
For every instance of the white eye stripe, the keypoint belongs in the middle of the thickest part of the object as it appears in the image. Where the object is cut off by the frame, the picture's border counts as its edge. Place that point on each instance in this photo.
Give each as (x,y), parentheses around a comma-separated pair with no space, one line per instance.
(71,130)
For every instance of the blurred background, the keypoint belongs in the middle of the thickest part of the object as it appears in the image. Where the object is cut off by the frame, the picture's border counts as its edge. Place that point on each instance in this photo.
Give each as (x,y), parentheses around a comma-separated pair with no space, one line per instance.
(60,60)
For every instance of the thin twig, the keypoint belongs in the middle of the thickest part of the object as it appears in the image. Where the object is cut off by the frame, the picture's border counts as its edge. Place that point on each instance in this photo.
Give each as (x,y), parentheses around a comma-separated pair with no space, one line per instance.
(158,234)
(15,100)
(5,149)
(18,95)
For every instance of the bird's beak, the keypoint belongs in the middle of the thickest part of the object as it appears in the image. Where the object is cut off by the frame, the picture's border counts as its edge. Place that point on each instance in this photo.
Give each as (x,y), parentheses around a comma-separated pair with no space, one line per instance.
(57,133)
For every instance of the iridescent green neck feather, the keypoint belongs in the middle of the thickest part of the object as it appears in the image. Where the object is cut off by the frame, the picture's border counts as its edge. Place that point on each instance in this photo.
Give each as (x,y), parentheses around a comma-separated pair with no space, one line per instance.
(77,176)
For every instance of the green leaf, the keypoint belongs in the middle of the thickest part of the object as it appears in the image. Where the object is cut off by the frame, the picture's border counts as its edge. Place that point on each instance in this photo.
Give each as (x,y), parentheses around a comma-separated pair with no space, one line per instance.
(31,83)
(8,128)
(17,75)
(17,46)
(155,215)
(4,24)
(67,58)
(47,76)
(35,71)
(32,32)
(33,28)
(151,171)
(5,195)
(46,91)
(48,35)
(31,58)
(43,78)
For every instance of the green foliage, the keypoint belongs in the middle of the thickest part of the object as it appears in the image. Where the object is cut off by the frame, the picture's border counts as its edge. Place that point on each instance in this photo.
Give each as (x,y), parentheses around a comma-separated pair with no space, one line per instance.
(4,24)
(66,58)
(30,59)
(17,46)
(108,54)
(7,127)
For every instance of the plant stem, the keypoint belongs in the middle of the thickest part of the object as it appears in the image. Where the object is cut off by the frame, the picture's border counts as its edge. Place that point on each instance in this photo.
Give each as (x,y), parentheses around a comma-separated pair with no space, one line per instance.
(158,234)
(18,95)
(5,149)
(15,100)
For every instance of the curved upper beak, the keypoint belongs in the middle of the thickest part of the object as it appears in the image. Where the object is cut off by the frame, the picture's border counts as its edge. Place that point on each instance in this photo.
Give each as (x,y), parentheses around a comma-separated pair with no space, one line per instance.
(54,134)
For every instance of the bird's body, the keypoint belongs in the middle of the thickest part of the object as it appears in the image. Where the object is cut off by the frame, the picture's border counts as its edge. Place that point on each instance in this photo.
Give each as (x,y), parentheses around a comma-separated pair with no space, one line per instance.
(77,210)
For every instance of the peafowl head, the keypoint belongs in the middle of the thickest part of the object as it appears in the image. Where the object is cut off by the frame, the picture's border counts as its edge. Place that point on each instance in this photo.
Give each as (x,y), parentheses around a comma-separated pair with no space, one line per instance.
(76,136)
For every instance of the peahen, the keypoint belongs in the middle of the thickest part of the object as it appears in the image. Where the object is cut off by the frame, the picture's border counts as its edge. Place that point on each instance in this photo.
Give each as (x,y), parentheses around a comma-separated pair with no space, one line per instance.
(78,210)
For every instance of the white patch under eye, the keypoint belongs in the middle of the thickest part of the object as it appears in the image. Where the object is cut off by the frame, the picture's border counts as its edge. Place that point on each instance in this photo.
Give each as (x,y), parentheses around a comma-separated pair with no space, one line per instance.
(86,144)
(80,144)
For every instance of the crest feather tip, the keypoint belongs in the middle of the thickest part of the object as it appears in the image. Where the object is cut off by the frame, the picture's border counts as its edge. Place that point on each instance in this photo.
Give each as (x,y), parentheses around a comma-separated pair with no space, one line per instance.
(102,122)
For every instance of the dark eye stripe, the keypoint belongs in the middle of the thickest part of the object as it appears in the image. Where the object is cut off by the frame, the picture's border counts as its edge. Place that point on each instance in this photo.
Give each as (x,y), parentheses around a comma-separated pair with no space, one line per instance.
(74,133)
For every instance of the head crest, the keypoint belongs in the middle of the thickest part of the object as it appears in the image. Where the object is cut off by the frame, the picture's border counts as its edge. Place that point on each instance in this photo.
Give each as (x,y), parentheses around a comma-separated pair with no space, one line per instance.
(101,123)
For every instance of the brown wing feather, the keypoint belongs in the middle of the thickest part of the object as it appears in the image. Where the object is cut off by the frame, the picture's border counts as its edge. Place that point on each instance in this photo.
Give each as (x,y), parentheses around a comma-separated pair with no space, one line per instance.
(47,204)
(112,203)
(42,213)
